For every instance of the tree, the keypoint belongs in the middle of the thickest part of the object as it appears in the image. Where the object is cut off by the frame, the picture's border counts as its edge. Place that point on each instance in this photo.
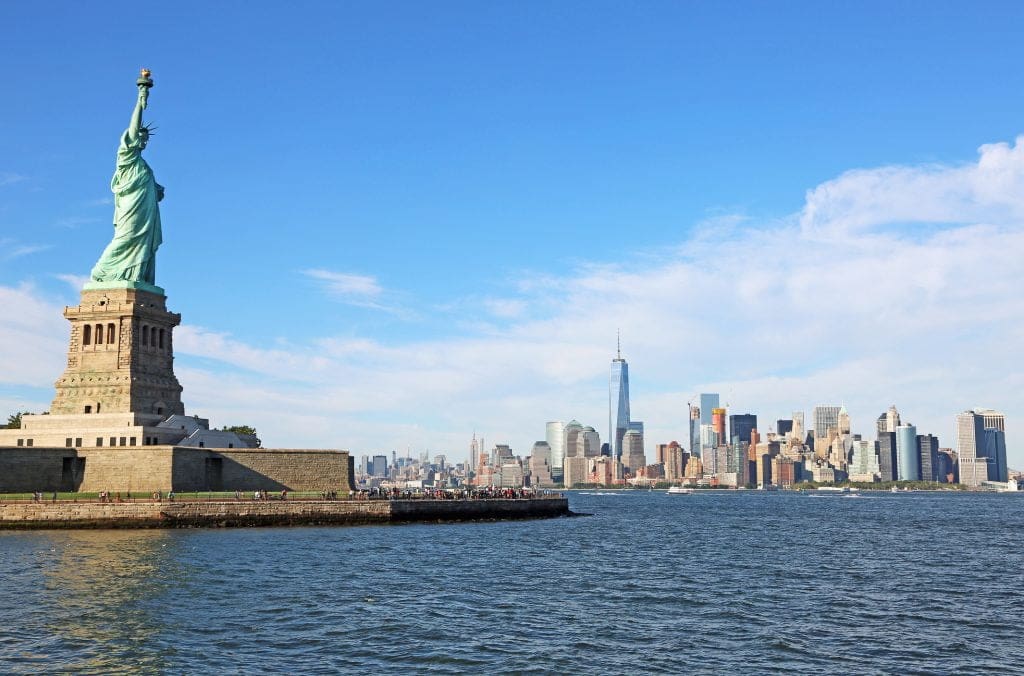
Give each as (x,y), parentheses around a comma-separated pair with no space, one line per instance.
(246,430)
(14,421)
(240,429)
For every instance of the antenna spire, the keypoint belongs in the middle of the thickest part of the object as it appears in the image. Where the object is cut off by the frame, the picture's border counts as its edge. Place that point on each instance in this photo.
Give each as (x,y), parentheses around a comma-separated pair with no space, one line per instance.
(618,344)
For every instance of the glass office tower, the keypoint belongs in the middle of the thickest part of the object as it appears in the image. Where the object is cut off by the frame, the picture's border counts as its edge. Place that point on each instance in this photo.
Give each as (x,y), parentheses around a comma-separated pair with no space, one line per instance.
(908,457)
(995,451)
(618,405)
(741,425)
(928,445)
(555,436)
(707,402)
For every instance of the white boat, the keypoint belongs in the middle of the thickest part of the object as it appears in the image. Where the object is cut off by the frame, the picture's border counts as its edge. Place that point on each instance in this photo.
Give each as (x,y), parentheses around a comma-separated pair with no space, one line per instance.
(678,490)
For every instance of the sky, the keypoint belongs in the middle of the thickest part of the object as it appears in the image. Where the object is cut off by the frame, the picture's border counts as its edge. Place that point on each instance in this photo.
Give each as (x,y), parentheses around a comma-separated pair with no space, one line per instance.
(392,225)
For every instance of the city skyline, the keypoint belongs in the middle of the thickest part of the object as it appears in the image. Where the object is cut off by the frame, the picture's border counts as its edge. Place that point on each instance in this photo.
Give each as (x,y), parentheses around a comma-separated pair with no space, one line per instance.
(784,227)
(772,461)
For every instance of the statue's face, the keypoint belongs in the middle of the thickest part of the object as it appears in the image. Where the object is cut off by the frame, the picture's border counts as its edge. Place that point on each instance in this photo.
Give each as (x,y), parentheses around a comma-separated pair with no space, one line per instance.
(144,138)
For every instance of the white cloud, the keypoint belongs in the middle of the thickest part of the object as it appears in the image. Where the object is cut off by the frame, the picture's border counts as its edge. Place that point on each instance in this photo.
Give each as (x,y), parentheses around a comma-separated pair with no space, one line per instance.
(32,337)
(359,291)
(990,190)
(346,285)
(72,222)
(19,250)
(842,303)
(10,178)
(76,282)
(506,308)
(285,364)
(775,316)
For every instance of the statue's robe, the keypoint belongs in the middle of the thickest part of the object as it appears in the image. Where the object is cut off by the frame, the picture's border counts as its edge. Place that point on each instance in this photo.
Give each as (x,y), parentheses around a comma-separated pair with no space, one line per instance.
(131,255)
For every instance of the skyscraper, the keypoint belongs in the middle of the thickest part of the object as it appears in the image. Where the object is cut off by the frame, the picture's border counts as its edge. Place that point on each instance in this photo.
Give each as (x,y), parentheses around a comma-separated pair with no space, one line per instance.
(928,445)
(591,443)
(947,469)
(740,425)
(570,439)
(970,451)
(994,424)
(892,419)
(981,447)
(995,451)
(576,470)
(707,403)
(798,431)
(843,421)
(887,462)
(540,465)
(707,438)
(633,450)
(579,441)
(554,434)
(824,418)
(908,456)
(992,419)
(671,456)
(695,430)
(718,426)
(864,461)
(618,403)
(501,454)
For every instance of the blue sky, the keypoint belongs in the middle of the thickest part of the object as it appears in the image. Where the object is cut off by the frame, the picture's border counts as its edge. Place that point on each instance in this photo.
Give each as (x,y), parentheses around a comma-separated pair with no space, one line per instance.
(400,222)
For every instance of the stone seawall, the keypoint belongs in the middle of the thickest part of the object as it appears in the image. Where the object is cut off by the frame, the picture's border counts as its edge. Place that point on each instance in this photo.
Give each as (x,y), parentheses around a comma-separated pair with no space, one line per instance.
(45,515)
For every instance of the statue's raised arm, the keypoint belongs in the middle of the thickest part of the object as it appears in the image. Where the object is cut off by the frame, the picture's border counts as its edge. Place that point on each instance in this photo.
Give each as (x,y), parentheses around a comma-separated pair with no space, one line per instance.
(144,83)
(130,258)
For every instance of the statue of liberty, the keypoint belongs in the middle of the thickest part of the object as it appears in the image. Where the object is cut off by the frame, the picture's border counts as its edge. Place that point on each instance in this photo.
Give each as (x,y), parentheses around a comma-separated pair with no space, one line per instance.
(131,255)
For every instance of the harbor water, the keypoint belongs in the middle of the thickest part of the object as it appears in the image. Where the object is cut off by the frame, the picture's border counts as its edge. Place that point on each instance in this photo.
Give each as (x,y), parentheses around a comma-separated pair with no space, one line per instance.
(740,581)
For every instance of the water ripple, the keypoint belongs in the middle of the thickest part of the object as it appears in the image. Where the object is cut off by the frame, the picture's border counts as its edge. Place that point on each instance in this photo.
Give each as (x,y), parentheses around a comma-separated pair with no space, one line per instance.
(751,582)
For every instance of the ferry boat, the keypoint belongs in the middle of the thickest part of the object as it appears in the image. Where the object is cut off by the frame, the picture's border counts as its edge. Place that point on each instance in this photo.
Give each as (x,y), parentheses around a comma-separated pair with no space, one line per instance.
(678,490)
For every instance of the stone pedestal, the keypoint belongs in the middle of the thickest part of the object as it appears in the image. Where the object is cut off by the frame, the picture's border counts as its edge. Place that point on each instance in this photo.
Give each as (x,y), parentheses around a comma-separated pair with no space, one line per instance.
(121,356)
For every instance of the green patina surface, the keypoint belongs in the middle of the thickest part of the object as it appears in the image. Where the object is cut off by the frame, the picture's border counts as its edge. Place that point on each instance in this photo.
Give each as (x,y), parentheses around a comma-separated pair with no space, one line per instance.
(130,258)
(123,284)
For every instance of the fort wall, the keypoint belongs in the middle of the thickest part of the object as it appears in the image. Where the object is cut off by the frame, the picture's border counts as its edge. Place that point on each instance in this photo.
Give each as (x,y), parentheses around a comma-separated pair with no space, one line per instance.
(145,469)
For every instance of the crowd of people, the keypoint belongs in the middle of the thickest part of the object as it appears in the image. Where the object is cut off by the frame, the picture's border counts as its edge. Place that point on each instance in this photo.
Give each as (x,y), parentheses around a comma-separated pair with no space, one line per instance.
(472,493)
